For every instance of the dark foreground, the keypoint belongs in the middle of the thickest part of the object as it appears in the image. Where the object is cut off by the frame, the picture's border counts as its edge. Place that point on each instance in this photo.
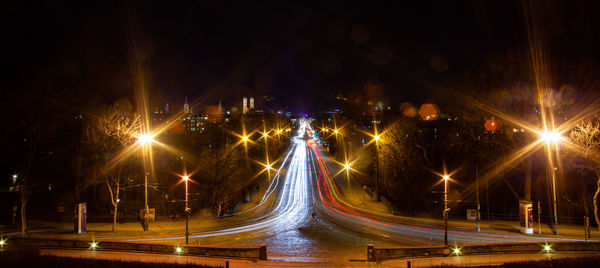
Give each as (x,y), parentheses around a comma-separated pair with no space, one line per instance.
(32,260)
(23,260)
(564,262)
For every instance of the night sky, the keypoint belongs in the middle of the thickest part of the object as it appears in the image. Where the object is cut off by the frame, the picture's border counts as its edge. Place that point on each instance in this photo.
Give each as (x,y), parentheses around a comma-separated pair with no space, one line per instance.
(302,54)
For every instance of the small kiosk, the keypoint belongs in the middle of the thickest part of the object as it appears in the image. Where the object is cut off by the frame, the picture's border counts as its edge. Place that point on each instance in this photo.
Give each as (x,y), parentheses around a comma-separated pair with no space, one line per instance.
(526,216)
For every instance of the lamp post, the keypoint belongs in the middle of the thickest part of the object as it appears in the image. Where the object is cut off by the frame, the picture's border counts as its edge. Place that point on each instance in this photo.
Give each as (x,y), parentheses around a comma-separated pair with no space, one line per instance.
(347,167)
(145,140)
(446,177)
(552,138)
(187,210)
(268,165)
(376,139)
(245,190)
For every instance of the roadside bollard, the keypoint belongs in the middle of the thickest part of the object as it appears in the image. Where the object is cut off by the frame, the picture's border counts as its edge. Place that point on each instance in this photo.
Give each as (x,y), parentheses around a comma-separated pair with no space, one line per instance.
(263,252)
(370,253)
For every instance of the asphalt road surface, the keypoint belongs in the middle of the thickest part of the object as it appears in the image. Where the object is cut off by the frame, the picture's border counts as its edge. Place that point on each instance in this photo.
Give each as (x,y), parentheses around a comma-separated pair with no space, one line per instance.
(304,185)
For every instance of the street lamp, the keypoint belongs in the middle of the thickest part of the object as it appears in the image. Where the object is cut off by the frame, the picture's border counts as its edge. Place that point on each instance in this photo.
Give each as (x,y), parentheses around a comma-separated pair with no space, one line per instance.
(376,139)
(347,167)
(446,178)
(552,138)
(266,137)
(146,141)
(187,210)
(245,140)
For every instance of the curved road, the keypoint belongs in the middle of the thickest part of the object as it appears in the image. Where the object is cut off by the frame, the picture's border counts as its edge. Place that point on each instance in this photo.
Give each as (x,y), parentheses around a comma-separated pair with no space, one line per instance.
(344,230)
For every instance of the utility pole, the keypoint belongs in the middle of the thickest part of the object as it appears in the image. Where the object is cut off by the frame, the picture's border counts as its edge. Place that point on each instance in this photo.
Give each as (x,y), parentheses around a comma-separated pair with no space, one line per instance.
(477,190)
(187,211)
(539,218)
(446,177)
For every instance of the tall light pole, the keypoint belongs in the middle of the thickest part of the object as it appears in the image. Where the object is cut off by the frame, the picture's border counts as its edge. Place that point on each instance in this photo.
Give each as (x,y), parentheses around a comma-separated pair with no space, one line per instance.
(477,196)
(376,139)
(187,210)
(245,190)
(268,165)
(552,138)
(347,167)
(446,177)
(145,140)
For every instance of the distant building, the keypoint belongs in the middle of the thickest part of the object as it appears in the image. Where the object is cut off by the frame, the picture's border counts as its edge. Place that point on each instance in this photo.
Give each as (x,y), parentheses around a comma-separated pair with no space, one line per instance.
(247,106)
(244,105)
(186,106)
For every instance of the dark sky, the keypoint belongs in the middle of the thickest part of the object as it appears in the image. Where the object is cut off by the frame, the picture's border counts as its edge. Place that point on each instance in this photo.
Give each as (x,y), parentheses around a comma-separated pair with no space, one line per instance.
(303,54)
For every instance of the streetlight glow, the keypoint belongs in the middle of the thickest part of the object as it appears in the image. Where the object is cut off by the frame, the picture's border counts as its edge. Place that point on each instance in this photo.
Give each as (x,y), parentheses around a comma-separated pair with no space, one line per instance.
(265,134)
(347,166)
(446,177)
(145,139)
(93,245)
(245,138)
(550,136)
(185,178)
(376,137)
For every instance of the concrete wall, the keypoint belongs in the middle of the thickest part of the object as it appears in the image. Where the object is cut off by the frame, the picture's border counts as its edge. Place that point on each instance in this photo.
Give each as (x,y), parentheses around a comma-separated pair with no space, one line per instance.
(258,252)
(387,253)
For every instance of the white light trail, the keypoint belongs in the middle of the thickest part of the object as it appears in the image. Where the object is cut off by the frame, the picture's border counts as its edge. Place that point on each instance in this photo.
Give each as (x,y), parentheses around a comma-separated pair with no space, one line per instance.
(292,204)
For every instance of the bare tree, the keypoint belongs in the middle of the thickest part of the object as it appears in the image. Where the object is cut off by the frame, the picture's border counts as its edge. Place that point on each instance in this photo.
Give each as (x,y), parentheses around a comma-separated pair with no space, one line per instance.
(110,133)
(219,162)
(33,126)
(397,159)
(225,174)
(587,135)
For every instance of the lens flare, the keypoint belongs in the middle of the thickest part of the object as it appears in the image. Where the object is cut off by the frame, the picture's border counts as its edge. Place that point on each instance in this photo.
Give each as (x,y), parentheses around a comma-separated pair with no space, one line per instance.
(145,139)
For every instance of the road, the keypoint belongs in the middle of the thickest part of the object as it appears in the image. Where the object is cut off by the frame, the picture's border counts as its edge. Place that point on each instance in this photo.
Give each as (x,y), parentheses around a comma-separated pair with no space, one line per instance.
(287,225)
(304,185)
(410,231)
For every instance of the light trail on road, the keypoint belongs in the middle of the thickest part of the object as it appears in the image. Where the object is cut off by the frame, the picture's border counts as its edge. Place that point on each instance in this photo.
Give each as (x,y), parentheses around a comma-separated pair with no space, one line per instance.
(331,202)
(291,205)
(307,176)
